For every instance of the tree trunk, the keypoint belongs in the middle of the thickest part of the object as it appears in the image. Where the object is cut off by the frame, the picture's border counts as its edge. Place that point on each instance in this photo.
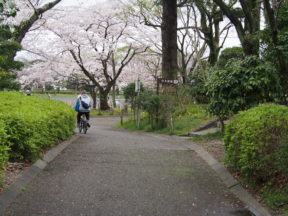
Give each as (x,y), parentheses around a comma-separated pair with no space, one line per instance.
(246,33)
(214,53)
(169,39)
(104,100)
(282,61)
(114,85)
(94,96)
(222,124)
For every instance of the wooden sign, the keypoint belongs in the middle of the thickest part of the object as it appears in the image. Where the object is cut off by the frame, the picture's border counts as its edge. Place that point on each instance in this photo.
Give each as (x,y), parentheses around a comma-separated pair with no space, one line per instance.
(167,81)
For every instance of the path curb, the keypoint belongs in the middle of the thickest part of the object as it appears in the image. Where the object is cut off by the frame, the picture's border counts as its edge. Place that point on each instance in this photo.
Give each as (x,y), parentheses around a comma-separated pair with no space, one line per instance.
(10,193)
(235,187)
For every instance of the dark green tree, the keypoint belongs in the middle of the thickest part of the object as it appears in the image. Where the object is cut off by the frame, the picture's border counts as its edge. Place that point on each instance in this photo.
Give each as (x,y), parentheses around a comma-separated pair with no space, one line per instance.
(7,49)
(275,38)
(210,19)
(242,85)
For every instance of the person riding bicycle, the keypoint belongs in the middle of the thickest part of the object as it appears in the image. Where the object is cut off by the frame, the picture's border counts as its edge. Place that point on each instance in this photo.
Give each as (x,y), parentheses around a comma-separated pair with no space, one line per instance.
(84,102)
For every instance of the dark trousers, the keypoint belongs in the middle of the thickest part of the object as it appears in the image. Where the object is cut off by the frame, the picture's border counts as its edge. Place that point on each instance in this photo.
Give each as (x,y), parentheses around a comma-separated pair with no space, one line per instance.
(87,114)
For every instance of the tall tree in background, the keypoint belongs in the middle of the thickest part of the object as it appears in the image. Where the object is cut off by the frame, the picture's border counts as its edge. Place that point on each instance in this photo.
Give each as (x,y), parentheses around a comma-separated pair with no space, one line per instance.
(169,39)
(190,47)
(276,36)
(210,18)
(246,21)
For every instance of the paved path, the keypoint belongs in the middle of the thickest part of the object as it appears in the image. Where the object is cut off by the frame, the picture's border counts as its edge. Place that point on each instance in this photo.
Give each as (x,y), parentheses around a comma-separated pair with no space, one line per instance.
(114,172)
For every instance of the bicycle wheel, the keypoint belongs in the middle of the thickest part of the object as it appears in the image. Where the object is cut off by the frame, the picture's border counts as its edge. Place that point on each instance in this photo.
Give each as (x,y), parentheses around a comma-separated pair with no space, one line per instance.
(80,126)
(85,127)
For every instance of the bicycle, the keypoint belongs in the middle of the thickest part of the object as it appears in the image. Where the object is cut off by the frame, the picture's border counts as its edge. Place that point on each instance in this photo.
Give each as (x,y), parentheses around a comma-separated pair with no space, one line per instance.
(83,126)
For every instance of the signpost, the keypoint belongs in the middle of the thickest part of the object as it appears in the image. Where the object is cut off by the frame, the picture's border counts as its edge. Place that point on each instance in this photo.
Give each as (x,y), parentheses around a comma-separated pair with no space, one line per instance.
(165,81)
(137,90)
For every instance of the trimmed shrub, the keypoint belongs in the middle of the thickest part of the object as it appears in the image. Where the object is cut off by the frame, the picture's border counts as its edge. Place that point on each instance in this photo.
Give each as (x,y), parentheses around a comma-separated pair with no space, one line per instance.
(235,53)
(256,143)
(33,125)
(3,148)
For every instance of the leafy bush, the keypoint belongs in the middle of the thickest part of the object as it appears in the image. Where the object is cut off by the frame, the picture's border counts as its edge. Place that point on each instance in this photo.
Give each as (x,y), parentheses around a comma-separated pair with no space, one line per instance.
(191,93)
(227,54)
(198,80)
(242,85)
(150,102)
(130,93)
(33,124)
(256,143)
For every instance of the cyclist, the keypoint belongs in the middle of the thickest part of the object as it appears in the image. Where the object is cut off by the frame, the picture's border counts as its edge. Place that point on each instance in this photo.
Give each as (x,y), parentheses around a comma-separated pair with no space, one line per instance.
(84,102)
(28,92)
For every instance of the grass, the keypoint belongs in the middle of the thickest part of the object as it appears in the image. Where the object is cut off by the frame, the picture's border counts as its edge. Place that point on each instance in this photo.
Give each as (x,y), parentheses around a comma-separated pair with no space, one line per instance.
(277,199)
(209,137)
(185,119)
(56,95)
(111,112)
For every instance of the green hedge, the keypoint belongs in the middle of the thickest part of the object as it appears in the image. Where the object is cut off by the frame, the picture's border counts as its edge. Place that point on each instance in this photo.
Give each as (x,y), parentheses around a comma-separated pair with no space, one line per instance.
(256,143)
(31,125)
(3,148)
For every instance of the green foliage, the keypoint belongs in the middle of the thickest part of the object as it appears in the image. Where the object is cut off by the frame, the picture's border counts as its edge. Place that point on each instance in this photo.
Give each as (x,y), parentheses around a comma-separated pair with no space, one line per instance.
(7,9)
(151,103)
(185,119)
(271,51)
(209,137)
(241,85)
(198,79)
(7,81)
(227,54)
(130,93)
(256,143)
(8,48)
(277,199)
(32,124)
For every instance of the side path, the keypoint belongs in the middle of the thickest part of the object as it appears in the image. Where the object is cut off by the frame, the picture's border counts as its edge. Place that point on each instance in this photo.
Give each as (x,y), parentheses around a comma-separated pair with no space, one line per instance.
(110,171)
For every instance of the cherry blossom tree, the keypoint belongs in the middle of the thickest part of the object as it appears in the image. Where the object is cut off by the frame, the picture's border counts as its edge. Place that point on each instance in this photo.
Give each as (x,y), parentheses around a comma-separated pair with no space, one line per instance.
(98,47)
(145,67)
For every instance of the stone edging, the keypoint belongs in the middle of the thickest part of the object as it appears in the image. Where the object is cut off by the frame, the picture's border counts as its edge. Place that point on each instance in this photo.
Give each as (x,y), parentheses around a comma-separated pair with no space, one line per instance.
(11,192)
(235,187)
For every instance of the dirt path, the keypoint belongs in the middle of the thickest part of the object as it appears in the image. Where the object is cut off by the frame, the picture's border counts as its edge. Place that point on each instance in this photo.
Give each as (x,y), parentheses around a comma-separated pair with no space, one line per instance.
(114,172)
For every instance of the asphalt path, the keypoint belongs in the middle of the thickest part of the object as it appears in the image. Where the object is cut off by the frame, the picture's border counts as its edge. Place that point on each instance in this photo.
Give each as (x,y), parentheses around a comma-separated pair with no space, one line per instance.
(110,171)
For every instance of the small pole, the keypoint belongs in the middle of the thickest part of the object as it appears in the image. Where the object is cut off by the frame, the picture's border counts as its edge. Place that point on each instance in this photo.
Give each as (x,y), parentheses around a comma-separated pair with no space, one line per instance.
(138,106)
(121,117)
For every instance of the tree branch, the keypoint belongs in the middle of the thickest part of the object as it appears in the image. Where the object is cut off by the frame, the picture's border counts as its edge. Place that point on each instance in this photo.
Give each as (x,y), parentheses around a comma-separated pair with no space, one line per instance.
(24,26)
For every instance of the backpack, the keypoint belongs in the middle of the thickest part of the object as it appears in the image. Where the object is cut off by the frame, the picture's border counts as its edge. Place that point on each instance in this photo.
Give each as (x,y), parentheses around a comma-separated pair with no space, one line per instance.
(77,106)
(84,104)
